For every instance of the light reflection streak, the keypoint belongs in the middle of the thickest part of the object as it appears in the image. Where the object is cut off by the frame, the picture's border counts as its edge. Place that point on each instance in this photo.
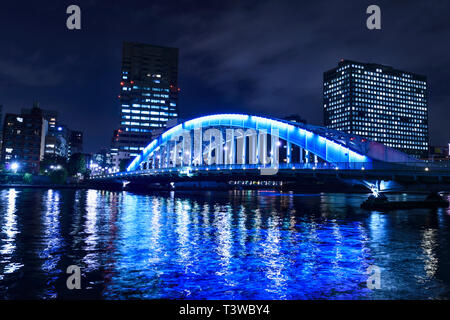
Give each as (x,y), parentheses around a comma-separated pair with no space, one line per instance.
(337,248)
(274,259)
(364,253)
(90,260)
(155,232)
(242,219)
(182,231)
(223,236)
(193,210)
(310,249)
(428,245)
(52,234)
(256,225)
(377,227)
(222,223)
(10,230)
(205,218)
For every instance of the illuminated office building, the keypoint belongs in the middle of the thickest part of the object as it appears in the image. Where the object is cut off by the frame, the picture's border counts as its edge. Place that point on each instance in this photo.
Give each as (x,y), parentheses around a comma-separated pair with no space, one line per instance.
(379,103)
(148,95)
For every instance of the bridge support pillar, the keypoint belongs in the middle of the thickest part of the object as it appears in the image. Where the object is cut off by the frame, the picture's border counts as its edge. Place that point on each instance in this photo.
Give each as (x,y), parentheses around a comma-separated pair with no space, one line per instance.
(198,147)
(229,147)
(288,152)
(168,149)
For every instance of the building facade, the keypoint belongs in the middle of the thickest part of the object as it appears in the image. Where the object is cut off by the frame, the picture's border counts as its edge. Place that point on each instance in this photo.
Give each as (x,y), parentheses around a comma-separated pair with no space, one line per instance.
(50,115)
(148,95)
(57,141)
(24,140)
(1,128)
(379,103)
(439,153)
(75,142)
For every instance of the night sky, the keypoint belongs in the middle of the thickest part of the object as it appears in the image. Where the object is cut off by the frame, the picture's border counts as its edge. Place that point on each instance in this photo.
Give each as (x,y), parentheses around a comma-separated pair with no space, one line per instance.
(257,57)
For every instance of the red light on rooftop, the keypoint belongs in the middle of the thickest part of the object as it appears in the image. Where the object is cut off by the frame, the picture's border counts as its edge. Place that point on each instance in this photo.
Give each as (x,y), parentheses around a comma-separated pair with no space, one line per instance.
(122,83)
(131,81)
(179,89)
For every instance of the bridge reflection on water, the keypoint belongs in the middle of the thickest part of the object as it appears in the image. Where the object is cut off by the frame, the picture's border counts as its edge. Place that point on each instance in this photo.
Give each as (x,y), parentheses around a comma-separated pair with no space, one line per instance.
(217,245)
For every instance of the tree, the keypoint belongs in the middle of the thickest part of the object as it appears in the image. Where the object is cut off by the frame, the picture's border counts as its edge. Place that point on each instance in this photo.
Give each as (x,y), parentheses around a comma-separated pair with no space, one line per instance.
(58,176)
(77,164)
(28,178)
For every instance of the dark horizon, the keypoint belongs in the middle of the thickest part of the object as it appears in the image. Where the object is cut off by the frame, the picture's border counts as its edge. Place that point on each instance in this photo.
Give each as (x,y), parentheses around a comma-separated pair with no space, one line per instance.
(252,57)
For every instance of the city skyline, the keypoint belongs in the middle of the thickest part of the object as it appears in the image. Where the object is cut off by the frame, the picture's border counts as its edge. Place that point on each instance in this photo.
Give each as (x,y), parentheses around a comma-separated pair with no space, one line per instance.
(217,69)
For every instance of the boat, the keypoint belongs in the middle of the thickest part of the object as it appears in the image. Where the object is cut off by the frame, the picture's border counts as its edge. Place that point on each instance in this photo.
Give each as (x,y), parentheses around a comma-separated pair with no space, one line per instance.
(380,202)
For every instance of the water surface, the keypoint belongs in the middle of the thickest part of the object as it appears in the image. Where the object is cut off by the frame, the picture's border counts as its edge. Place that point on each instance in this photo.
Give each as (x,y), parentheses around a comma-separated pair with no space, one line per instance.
(218,245)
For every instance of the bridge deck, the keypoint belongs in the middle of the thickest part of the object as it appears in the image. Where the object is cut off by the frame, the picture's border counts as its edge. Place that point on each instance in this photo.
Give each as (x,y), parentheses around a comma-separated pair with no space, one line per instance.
(420,172)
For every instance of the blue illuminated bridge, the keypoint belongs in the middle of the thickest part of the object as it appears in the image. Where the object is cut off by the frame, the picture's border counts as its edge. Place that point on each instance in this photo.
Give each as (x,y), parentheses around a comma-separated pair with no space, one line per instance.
(243,150)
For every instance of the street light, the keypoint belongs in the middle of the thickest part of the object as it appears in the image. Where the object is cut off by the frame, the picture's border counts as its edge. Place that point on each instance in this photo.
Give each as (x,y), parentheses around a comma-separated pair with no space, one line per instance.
(14,167)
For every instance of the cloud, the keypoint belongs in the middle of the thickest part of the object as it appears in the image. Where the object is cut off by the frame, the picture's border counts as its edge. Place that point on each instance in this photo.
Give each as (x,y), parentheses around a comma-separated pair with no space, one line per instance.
(33,69)
(29,75)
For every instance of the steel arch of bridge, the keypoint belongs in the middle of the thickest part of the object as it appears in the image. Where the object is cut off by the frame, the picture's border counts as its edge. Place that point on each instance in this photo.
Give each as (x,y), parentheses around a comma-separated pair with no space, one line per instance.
(330,145)
(323,147)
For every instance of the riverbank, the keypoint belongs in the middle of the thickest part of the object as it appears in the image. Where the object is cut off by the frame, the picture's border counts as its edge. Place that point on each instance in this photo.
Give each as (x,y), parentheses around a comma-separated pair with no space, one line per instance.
(297,189)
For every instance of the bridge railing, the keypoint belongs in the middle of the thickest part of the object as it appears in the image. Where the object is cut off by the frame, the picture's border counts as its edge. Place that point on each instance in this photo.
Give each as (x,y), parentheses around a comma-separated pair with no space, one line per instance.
(361,166)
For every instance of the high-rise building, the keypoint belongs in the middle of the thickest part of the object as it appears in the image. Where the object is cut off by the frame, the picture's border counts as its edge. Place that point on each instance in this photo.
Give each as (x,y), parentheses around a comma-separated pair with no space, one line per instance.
(148,95)
(379,103)
(24,140)
(75,142)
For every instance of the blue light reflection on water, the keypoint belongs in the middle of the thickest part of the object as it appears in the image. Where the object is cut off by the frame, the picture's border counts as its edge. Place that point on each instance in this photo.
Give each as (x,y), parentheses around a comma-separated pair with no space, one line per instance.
(217,245)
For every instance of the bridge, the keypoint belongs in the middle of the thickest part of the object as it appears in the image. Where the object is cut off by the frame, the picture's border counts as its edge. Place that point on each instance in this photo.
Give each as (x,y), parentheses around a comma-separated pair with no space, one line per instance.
(239,150)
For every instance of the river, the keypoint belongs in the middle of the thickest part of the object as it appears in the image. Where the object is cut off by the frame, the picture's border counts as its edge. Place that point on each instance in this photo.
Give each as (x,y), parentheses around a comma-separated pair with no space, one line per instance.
(219,245)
